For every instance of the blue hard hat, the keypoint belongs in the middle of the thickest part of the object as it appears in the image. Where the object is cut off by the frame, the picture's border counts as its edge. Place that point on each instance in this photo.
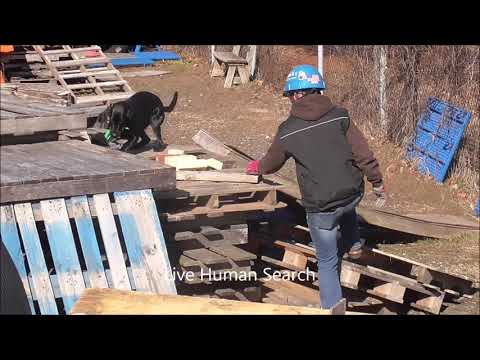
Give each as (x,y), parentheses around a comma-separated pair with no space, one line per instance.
(304,77)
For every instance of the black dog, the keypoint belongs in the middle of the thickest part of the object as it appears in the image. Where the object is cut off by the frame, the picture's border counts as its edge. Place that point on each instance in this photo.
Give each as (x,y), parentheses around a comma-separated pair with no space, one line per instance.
(136,113)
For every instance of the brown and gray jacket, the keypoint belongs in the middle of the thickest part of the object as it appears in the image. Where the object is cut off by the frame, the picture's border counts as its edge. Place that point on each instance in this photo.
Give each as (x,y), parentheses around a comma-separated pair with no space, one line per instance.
(330,152)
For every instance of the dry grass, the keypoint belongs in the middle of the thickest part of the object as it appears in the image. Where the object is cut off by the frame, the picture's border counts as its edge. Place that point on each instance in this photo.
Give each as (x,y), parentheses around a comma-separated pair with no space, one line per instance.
(444,254)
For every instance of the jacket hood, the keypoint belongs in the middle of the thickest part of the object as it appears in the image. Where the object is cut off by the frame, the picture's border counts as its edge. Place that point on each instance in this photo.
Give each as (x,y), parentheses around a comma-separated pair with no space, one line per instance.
(311,107)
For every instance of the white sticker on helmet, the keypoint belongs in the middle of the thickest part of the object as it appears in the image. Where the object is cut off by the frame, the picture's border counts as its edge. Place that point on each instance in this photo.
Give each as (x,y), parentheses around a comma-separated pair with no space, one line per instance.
(302,75)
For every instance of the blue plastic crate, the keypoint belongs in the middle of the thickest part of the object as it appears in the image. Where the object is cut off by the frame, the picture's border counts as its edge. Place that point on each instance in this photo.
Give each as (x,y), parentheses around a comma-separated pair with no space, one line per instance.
(438,136)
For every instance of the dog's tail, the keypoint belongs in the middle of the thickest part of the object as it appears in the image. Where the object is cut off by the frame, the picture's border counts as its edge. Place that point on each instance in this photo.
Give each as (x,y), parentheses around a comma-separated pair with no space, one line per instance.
(170,107)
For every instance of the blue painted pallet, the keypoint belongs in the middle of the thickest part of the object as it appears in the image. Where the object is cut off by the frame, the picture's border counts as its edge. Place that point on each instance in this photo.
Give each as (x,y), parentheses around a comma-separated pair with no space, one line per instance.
(438,136)
(9,232)
(156,55)
(64,252)
(36,260)
(139,226)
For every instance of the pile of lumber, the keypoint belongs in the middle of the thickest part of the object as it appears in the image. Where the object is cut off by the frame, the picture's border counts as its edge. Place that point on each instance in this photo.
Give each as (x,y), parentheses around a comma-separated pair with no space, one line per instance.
(24,65)
(27,109)
(39,92)
(191,167)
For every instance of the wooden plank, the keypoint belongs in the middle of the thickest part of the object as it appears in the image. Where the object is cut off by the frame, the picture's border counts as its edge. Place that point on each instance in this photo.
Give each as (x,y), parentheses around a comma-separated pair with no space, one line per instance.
(86,232)
(90,72)
(111,242)
(209,143)
(230,74)
(215,176)
(133,243)
(229,57)
(110,301)
(412,225)
(87,61)
(26,192)
(96,84)
(140,222)
(34,124)
(295,258)
(205,256)
(64,253)
(9,236)
(292,290)
(36,261)
(228,208)
(233,252)
(204,188)
(72,50)
(243,72)
(144,73)
(107,97)
(24,110)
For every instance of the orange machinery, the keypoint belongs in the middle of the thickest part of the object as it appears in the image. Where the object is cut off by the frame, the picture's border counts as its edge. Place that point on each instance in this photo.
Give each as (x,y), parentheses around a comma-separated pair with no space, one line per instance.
(4,49)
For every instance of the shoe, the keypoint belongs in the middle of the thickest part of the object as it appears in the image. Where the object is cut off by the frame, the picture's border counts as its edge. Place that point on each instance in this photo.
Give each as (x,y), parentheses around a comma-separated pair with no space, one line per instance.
(355,252)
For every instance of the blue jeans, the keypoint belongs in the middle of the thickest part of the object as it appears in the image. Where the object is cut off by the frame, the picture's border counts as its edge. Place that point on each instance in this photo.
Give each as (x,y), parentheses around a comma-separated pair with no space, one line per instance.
(324,231)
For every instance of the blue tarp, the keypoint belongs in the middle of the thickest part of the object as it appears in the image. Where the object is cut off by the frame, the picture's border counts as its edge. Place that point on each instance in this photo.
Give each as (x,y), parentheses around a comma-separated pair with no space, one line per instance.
(131,61)
(156,54)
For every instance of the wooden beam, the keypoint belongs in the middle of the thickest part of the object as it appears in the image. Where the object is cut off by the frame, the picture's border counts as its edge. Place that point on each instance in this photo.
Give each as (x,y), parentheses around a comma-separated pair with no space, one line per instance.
(30,125)
(96,84)
(145,73)
(216,176)
(118,302)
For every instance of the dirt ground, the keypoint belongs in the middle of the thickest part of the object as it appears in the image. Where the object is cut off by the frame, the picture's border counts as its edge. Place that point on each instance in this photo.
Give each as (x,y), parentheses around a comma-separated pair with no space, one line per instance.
(247,117)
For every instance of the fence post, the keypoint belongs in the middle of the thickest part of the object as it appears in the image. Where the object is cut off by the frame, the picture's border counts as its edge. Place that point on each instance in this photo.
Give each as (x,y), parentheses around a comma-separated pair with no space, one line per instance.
(382,62)
(320,59)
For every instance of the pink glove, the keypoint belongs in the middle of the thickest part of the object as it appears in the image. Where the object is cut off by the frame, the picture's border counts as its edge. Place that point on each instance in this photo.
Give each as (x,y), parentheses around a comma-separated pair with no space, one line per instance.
(252,167)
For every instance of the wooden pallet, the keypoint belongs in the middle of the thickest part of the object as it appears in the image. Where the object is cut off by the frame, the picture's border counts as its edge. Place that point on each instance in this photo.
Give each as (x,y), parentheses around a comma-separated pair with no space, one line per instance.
(68,168)
(102,83)
(453,285)
(380,283)
(68,258)
(196,199)
(202,255)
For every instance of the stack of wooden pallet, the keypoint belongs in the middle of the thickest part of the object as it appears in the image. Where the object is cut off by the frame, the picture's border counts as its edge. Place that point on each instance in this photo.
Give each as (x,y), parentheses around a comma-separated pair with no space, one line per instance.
(24,65)
(85,72)
(207,218)
(28,109)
